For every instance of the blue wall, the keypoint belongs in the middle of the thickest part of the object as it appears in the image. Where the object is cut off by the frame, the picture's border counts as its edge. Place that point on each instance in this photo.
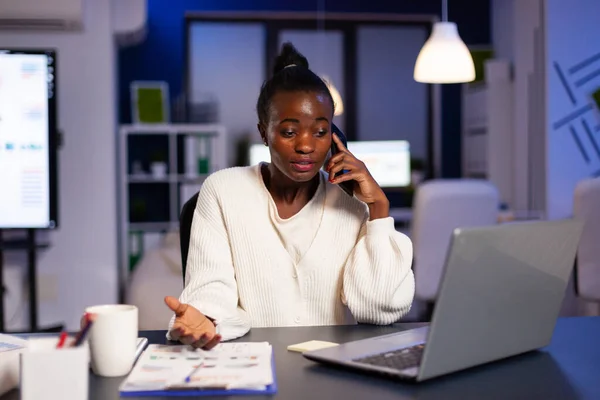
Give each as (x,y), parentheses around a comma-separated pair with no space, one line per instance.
(162,55)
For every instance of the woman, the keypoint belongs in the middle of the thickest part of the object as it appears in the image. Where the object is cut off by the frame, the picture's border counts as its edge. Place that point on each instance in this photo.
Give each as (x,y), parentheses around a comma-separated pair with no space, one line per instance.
(281,244)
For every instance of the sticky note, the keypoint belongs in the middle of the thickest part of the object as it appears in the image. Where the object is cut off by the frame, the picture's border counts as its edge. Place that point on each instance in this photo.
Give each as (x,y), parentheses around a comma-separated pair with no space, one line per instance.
(310,345)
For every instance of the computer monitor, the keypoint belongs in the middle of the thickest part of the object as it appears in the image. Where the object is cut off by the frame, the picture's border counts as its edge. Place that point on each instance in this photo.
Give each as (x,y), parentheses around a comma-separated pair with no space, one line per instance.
(258,153)
(388,161)
(28,133)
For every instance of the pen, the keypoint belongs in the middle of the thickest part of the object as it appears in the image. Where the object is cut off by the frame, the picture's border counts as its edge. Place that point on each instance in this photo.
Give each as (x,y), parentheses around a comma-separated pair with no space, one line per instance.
(61,340)
(189,377)
(83,333)
(86,319)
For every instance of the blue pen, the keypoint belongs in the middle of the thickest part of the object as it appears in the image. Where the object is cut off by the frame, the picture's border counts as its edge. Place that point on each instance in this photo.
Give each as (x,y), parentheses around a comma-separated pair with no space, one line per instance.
(189,377)
(82,335)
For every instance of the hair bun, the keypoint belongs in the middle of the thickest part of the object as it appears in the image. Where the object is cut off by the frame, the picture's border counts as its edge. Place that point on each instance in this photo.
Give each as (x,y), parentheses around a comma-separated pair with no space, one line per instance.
(289,56)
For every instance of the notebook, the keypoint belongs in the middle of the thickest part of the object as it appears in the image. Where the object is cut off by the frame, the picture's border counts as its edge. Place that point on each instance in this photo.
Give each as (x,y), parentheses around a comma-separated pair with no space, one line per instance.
(228,369)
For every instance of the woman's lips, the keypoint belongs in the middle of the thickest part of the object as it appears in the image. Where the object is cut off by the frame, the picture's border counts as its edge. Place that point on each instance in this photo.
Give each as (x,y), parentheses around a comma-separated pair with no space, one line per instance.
(303,166)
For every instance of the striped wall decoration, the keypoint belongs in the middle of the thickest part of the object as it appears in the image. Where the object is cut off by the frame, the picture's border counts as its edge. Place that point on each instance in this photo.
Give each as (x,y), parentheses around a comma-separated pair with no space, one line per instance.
(581,80)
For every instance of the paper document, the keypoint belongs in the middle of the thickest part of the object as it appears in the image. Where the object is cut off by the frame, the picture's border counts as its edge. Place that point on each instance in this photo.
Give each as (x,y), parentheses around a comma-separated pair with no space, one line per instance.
(8,343)
(179,367)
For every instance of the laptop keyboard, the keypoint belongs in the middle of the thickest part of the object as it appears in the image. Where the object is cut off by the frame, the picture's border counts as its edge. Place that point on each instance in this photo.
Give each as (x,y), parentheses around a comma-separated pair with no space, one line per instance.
(398,359)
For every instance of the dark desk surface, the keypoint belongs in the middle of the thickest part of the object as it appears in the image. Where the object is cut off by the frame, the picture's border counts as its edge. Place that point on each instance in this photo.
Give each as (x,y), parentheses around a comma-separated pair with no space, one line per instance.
(569,368)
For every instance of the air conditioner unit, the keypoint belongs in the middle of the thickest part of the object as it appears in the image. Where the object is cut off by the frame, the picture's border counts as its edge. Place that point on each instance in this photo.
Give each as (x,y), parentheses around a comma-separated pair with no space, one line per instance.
(129,20)
(41,14)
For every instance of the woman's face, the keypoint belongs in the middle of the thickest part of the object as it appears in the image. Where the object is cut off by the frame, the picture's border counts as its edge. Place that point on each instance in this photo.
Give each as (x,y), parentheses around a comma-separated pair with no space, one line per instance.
(298,133)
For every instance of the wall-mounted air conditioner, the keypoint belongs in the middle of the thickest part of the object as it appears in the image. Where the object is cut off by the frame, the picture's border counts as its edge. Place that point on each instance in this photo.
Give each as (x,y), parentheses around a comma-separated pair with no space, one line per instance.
(41,14)
(129,19)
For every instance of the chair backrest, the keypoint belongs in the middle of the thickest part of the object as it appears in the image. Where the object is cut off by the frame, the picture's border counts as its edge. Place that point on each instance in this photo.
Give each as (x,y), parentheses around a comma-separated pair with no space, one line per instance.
(586,207)
(185,228)
(440,206)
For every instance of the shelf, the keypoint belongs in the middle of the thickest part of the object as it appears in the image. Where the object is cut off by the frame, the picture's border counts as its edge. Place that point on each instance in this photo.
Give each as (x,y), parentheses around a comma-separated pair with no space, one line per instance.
(172,129)
(150,205)
(148,179)
(153,226)
(180,178)
(20,244)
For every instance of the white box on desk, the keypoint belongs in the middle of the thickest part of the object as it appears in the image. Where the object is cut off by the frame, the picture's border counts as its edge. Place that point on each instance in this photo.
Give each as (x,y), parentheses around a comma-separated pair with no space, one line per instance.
(51,373)
(11,348)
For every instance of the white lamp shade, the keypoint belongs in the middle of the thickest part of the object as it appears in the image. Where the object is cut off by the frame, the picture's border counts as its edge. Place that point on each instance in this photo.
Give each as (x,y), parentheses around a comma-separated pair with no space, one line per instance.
(337,99)
(444,57)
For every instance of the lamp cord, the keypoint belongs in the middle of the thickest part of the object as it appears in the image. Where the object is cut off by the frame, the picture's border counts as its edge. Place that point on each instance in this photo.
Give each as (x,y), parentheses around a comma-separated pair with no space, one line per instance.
(321,28)
(444,10)
(321,15)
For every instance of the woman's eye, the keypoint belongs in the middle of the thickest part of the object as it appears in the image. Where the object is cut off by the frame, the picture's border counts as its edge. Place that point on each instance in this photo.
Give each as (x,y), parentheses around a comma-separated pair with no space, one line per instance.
(322,132)
(287,133)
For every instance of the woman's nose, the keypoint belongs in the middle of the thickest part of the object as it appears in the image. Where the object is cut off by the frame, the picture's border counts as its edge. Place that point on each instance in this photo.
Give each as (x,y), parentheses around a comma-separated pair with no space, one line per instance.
(305,143)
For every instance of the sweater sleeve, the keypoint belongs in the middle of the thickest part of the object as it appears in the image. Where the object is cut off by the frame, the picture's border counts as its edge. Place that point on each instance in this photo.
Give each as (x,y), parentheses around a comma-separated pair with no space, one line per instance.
(210,284)
(378,282)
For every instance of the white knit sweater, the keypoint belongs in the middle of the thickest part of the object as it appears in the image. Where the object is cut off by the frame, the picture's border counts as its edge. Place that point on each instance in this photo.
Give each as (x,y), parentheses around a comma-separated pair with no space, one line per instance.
(240,274)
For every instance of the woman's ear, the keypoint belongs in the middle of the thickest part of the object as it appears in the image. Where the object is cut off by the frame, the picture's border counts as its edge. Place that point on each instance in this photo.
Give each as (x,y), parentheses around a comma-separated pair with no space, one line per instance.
(263,133)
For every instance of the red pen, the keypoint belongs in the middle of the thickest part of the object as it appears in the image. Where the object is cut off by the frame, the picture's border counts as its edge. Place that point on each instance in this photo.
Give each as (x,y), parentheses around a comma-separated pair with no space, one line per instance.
(61,340)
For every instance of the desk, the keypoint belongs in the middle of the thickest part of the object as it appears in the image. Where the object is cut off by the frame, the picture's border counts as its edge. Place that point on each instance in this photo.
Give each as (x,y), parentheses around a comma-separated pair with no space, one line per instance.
(567,369)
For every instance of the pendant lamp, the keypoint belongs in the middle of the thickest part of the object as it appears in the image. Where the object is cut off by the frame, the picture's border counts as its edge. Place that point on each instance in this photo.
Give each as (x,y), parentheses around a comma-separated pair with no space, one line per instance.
(337,99)
(444,58)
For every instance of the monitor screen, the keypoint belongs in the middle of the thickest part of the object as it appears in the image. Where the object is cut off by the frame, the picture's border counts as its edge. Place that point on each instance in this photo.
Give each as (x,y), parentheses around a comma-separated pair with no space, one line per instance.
(27,139)
(388,161)
(258,153)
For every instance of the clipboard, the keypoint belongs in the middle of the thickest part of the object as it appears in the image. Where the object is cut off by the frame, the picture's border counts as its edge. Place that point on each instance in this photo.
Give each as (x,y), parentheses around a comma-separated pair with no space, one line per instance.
(270,390)
(207,391)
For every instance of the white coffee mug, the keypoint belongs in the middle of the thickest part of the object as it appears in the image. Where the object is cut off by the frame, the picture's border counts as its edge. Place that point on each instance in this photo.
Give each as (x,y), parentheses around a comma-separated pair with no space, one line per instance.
(112,339)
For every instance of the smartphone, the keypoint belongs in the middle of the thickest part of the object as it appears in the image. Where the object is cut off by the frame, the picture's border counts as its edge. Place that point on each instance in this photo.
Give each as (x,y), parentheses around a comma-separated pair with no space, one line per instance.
(347,186)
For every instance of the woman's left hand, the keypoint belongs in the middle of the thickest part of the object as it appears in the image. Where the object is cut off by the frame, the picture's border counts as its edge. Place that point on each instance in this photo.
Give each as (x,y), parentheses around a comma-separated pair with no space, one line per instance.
(366,188)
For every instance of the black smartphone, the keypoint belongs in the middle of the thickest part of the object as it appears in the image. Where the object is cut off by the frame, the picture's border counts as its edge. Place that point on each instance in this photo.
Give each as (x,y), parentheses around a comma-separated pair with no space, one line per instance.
(347,186)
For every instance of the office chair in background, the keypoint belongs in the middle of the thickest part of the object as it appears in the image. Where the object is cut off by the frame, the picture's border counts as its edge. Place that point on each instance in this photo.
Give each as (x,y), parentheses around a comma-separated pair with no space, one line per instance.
(185,227)
(440,206)
(586,203)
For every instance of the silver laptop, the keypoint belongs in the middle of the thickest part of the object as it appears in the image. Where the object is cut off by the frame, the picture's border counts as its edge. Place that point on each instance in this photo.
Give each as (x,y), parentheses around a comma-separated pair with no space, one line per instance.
(500,295)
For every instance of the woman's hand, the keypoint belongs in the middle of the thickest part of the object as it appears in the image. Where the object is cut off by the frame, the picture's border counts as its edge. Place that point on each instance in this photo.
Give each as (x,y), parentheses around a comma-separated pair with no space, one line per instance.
(366,188)
(191,327)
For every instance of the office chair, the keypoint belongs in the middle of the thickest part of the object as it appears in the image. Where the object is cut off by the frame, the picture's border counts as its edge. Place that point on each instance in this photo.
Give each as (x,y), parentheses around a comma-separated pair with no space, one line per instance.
(185,227)
(440,206)
(585,207)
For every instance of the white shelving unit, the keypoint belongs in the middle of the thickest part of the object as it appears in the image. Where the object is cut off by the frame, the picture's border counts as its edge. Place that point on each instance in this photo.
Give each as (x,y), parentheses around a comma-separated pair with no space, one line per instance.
(487,128)
(181,185)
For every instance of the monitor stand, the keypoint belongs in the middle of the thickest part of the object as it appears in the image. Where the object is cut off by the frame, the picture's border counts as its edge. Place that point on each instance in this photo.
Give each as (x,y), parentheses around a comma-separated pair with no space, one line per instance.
(29,245)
